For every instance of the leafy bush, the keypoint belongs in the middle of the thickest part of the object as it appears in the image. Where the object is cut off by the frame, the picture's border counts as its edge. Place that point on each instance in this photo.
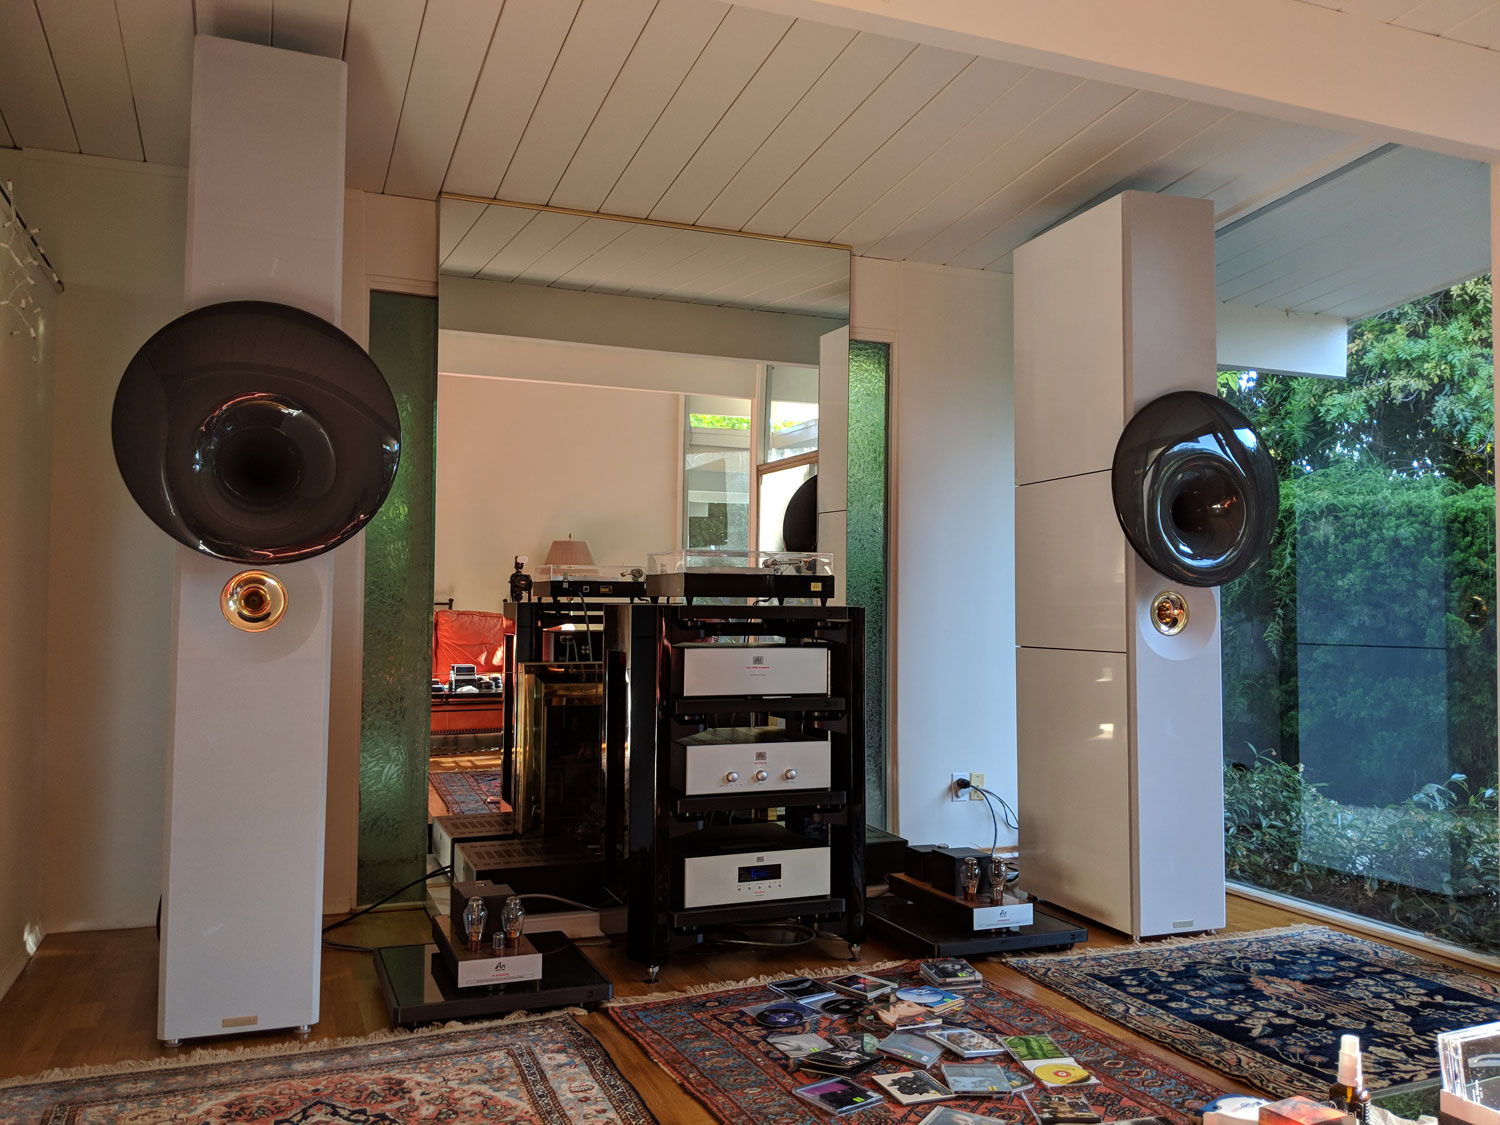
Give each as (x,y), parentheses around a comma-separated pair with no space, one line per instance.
(1427,864)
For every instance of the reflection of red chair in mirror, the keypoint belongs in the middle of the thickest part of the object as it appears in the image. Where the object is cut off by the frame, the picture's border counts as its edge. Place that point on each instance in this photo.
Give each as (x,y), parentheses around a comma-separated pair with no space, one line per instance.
(468,725)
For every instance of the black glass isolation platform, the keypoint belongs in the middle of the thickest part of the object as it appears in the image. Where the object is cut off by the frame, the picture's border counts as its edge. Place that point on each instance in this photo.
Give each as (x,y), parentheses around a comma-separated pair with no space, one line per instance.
(901,921)
(419,987)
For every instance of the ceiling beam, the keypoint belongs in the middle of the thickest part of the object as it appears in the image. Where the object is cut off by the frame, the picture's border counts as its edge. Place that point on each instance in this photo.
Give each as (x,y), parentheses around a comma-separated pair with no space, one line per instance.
(1283,58)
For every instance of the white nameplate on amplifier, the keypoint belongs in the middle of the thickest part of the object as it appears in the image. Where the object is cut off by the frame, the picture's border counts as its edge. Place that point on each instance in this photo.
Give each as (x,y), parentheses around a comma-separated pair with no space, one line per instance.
(742,760)
(1005,915)
(475,967)
(754,670)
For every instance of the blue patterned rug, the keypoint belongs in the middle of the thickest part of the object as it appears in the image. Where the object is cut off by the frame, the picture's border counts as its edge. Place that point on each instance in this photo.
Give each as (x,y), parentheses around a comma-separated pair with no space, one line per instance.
(1268,1008)
(467,792)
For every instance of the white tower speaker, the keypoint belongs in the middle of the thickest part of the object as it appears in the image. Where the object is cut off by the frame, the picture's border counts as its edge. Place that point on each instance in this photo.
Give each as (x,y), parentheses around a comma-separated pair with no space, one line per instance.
(1118,691)
(258,435)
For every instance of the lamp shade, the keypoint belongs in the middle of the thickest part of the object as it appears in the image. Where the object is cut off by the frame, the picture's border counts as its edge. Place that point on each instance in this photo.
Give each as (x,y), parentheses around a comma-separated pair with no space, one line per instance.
(569,552)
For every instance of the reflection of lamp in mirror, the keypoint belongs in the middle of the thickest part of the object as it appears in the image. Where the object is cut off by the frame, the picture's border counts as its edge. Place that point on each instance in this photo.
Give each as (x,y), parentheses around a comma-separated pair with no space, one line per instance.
(569,552)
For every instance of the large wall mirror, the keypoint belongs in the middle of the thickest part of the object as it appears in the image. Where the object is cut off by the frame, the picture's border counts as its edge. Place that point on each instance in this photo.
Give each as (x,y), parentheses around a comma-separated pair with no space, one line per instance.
(609,389)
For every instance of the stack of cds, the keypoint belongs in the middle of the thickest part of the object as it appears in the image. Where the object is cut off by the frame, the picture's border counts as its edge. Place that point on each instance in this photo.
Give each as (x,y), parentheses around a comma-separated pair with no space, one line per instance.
(951,973)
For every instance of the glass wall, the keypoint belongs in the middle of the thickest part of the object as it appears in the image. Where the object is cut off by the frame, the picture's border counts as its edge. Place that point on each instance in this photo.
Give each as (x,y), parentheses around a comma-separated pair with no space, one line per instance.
(716,472)
(1359,658)
(791,417)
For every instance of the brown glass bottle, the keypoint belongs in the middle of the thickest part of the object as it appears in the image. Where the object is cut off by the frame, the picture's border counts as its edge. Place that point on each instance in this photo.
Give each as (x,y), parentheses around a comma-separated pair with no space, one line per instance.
(1353,1100)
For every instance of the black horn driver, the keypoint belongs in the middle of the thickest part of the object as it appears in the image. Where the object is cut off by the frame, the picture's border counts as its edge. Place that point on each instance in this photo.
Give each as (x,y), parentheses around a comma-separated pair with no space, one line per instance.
(1195,488)
(256,432)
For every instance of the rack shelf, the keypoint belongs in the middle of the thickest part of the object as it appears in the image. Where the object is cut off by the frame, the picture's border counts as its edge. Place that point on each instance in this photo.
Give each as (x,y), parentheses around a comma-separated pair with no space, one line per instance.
(761,705)
(765,799)
(758,912)
(658,813)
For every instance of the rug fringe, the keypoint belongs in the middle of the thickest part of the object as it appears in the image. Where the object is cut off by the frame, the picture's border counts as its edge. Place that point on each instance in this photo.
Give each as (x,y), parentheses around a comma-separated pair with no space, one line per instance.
(750,982)
(209,1055)
(1163,943)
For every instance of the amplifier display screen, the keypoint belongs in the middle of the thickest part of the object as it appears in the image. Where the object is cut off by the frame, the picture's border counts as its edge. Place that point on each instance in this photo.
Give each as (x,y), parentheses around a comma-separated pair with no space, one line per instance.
(760,873)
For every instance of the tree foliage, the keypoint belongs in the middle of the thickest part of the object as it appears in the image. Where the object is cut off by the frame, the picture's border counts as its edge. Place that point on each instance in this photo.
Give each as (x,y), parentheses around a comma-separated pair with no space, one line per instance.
(1359,657)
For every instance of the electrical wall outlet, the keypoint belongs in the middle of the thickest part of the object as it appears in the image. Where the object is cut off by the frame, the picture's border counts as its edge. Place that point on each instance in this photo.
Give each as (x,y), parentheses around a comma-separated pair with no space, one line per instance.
(975,779)
(954,792)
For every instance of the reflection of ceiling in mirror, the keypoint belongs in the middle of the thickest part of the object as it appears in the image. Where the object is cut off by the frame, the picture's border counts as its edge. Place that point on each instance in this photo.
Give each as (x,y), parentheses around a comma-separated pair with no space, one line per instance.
(633,259)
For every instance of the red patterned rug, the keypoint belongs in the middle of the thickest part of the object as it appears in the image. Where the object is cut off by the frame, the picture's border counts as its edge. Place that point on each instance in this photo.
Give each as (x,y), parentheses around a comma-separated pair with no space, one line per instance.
(527,1072)
(720,1056)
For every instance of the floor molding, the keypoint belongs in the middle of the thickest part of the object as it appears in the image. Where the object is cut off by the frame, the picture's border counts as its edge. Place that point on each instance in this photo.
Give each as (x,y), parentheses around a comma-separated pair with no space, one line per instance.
(1346,921)
(12,967)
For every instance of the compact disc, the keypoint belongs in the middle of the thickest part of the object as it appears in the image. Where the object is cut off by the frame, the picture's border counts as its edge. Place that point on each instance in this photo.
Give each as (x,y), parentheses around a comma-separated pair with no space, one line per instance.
(1061,1074)
(780,1017)
(842,1006)
(920,995)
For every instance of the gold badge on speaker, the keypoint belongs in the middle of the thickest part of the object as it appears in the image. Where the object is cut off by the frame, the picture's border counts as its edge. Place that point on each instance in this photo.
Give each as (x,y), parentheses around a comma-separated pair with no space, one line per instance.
(1169,613)
(253,601)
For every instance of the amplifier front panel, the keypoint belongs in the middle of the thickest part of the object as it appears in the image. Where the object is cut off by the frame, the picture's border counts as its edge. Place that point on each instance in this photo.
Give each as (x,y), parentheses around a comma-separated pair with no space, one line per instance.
(750,766)
(711,670)
(726,880)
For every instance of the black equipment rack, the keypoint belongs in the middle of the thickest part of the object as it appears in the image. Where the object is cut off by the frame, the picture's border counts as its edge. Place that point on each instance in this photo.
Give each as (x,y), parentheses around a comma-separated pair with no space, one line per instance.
(659,814)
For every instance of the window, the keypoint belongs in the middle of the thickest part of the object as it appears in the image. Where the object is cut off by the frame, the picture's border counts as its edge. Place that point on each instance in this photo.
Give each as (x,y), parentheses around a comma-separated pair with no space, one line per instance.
(716,472)
(722,510)
(791,415)
(1359,658)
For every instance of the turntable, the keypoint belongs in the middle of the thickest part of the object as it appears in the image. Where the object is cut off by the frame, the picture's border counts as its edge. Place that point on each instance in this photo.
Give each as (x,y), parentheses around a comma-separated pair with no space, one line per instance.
(760,575)
(573,582)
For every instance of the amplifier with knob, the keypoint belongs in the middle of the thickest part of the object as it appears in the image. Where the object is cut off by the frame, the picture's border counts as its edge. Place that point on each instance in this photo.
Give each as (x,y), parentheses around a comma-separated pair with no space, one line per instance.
(745,759)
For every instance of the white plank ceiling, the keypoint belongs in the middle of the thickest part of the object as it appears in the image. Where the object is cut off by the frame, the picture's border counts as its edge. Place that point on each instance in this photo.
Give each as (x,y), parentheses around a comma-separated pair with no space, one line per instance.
(1398,225)
(1476,22)
(693,111)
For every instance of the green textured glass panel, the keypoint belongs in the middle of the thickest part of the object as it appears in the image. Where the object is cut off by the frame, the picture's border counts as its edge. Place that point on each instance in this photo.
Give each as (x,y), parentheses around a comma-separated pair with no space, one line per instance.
(865,553)
(395,712)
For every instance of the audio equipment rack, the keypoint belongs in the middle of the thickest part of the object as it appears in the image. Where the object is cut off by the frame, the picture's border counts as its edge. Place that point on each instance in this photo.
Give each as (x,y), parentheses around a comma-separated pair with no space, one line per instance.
(661,814)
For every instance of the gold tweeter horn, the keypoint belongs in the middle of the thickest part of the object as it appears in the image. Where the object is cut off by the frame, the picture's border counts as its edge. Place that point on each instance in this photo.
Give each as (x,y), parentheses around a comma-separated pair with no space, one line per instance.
(1169,613)
(253,601)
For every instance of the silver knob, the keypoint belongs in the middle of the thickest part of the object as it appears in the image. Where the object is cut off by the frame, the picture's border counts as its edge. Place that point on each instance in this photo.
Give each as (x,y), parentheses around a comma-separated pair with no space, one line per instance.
(790,775)
(731,777)
(761,775)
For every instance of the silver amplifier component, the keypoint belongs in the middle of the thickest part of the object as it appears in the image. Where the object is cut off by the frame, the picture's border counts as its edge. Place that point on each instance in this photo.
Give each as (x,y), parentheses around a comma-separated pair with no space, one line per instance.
(734,864)
(746,759)
(716,669)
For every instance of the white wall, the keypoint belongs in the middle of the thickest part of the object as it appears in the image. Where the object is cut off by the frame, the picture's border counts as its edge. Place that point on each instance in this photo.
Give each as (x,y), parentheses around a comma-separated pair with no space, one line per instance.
(523,463)
(515,309)
(953,575)
(563,361)
(116,233)
(25,467)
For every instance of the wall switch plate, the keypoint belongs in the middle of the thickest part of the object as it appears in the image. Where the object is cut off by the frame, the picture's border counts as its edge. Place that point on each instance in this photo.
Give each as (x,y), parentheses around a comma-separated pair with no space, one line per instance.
(975,779)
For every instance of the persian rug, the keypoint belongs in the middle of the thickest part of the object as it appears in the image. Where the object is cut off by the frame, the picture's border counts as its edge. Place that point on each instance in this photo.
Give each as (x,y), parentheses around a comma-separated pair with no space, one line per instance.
(465,792)
(720,1056)
(544,1069)
(1268,1007)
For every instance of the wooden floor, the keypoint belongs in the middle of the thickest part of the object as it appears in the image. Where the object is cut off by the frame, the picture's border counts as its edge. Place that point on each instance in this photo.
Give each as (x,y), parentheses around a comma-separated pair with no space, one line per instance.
(90,998)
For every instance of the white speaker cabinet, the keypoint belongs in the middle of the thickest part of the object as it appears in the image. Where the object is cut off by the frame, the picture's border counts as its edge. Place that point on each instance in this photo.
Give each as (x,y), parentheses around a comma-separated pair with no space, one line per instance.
(1119,727)
(247,770)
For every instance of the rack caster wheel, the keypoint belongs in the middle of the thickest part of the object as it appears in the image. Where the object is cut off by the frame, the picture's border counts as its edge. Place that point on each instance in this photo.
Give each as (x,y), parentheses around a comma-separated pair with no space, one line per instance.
(854,948)
(652,972)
